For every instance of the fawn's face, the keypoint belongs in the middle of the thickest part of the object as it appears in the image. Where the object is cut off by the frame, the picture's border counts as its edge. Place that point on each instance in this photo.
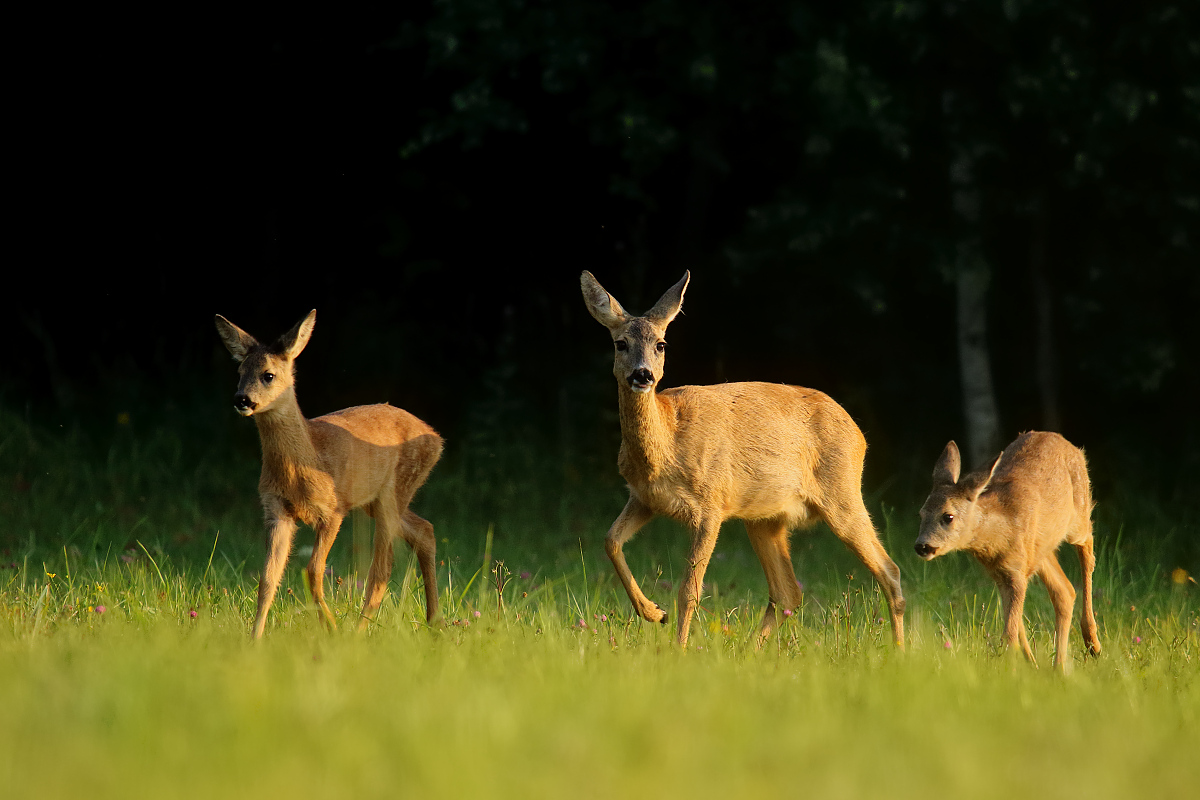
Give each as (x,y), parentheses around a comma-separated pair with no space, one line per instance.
(265,372)
(639,343)
(263,377)
(948,515)
(946,519)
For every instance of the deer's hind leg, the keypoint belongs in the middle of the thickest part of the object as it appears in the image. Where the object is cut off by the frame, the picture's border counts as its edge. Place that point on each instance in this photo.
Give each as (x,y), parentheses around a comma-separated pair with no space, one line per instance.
(1062,596)
(326,532)
(851,523)
(281,529)
(769,538)
(631,519)
(387,524)
(418,533)
(1087,619)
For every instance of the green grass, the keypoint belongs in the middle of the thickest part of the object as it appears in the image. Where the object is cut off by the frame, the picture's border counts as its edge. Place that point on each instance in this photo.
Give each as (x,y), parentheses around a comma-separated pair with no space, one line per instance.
(522,701)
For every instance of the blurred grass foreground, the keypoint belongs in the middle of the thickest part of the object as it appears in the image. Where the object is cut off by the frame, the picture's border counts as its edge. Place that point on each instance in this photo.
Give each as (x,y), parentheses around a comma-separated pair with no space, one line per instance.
(126,670)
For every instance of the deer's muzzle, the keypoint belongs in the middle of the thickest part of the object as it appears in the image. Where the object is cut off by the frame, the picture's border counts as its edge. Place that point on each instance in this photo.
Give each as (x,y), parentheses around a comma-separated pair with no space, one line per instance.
(641,380)
(925,550)
(244,405)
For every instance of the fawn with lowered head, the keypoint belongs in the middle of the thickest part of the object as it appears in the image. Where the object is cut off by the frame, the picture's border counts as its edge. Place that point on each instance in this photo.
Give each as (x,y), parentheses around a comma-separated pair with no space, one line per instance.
(776,457)
(1012,516)
(316,470)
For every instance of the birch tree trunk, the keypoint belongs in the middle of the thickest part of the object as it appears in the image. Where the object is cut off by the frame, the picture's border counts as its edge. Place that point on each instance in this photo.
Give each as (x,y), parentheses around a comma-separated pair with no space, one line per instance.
(979,396)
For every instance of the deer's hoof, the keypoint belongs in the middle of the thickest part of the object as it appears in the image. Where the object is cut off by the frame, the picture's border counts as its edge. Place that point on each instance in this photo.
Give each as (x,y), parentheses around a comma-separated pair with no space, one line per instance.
(662,621)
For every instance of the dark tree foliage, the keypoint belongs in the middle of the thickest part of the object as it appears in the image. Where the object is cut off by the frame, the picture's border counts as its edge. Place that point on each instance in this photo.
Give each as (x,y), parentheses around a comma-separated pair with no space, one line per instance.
(433,178)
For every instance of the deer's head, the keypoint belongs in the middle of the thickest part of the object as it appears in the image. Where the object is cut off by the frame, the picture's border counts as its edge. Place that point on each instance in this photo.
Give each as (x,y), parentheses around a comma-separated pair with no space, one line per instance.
(265,372)
(949,515)
(639,342)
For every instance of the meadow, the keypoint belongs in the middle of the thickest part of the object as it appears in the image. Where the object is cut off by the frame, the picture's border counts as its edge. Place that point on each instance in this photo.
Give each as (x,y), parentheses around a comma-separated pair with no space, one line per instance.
(127,589)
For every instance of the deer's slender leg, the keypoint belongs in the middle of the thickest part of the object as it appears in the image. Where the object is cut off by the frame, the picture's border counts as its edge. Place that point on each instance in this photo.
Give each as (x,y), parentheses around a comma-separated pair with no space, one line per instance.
(1012,594)
(326,531)
(631,519)
(704,540)
(281,529)
(852,524)
(1087,620)
(1062,596)
(387,523)
(770,541)
(418,533)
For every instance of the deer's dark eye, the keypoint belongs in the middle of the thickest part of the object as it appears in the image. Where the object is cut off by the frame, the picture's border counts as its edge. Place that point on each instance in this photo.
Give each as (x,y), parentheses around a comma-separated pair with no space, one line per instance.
(661,346)
(947,518)
(622,345)
(268,377)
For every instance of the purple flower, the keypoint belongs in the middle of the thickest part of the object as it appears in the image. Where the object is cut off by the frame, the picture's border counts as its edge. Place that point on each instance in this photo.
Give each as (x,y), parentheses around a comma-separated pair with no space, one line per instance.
(581,624)
(192,613)
(787,612)
(128,557)
(525,575)
(604,617)
(478,614)
(100,609)
(801,585)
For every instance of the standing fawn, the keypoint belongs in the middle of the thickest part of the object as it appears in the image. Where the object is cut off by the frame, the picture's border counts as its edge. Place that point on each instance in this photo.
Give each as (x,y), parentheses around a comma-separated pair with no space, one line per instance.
(316,470)
(1012,516)
(774,456)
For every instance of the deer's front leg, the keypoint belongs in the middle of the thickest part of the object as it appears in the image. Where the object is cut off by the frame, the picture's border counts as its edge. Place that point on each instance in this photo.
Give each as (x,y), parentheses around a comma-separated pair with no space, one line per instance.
(631,519)
(326,531)
(281,528)
(1012,593)
(703,542)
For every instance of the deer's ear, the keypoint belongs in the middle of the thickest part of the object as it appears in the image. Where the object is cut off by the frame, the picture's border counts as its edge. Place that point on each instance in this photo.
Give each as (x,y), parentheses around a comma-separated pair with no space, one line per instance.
(600,304)
(292,342)
(669,304)
(237,341)
(983,484)
(949,465)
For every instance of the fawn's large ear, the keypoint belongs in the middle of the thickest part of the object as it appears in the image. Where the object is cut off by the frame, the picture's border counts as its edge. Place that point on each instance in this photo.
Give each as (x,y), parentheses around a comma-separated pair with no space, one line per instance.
(982,485)
(669,304)
(949,465)
(292,342)
(600,304)
(237,341)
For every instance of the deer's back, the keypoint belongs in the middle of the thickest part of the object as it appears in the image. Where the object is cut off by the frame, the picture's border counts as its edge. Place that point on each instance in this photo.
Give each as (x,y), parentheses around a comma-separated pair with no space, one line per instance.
(1042,484)
(361,447)
(764,450)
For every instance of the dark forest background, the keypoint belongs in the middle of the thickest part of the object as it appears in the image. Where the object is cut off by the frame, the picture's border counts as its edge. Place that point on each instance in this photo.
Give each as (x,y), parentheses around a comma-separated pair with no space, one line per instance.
(875,199)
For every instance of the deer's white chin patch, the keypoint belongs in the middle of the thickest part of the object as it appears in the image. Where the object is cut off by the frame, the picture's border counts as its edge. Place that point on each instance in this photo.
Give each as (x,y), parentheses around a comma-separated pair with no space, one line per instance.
(640,388)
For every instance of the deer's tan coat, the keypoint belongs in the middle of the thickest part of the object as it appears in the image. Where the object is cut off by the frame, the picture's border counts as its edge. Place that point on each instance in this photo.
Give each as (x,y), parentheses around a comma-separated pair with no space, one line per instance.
(777,457)
(1012,516)
(315,471)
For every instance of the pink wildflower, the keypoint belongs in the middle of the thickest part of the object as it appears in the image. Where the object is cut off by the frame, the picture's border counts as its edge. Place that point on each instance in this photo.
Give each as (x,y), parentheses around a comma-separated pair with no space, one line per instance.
(787,612)
(526,576)
(478,614)
(100,609)
(947,645)
(192,613)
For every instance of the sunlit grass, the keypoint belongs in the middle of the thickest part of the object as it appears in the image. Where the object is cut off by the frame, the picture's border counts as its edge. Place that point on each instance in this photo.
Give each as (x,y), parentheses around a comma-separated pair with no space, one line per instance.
(126,667)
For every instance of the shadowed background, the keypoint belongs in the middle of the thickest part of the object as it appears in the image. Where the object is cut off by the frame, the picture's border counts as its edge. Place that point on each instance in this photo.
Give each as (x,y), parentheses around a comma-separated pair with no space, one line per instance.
(433,178)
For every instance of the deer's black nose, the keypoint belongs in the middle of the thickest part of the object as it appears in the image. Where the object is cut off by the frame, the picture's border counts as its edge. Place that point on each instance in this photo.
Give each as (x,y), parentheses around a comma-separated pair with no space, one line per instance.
(242,402)
(924,549)
(641,378)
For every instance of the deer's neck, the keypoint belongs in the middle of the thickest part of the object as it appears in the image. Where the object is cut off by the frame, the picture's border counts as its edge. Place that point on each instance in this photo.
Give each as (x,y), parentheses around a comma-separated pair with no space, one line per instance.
(287,445)
(647,434)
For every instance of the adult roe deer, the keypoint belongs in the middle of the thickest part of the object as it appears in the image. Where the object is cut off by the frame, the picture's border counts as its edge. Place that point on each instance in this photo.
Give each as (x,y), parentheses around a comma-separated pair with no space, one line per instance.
(776,457)
(1012,516)
(316,470)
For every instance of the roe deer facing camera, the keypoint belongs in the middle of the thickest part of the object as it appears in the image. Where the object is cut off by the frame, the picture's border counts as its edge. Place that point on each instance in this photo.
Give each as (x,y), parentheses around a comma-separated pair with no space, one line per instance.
(1012,516)
(774,456)
(316,470)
